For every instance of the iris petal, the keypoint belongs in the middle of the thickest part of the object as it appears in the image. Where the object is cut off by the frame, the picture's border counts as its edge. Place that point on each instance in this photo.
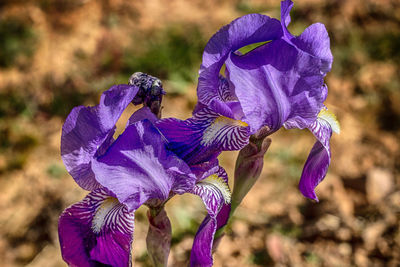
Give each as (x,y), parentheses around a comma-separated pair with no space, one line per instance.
(286,6)
(225,92)
(214,191)
(243,31)
(318,161)
(314,40)
(276,83)
(203,137)
(143,113)
(137,167)
(97,230)
(88,129)
(201,255)
(279,83)
(215,194)
(225,102)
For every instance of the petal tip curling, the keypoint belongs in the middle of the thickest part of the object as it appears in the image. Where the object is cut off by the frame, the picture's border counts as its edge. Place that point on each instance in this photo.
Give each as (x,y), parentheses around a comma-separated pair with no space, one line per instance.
(308,194)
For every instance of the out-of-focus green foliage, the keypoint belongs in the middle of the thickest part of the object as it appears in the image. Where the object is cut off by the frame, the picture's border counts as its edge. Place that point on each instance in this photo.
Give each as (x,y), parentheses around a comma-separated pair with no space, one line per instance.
(17,43)
(172,54)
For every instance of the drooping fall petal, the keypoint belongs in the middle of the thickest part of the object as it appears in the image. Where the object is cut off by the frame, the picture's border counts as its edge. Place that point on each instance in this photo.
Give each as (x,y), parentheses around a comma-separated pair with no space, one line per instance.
(97,230)
(318,161)
(216,196)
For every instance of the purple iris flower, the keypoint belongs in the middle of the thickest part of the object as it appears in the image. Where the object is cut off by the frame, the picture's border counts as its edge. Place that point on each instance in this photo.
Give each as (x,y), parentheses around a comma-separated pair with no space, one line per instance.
(96,231)
(123,174)
(280,83)
(88,131)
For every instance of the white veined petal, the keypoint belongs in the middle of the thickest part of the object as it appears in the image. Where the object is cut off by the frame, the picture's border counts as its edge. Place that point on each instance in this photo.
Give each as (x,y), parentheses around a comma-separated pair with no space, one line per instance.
(231,134)
(214,191)
(111,214)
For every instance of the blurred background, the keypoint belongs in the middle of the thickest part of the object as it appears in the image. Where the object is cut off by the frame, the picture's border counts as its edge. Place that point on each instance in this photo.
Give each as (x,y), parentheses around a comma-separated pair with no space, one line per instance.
(56,54)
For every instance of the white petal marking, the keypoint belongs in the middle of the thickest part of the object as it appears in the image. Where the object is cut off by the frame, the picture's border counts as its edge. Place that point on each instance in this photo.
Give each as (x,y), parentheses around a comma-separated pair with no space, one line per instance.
(225,130)
(218,183)
(111,214)
(214,191)
(102,212)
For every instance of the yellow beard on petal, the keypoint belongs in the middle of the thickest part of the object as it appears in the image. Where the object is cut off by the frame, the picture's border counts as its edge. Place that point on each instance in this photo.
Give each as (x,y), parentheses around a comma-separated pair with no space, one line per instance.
(219,123)
(330,118)
(220,184)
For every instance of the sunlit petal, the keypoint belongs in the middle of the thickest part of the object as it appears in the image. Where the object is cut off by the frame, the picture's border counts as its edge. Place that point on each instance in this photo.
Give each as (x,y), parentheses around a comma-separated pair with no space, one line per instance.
(87,129)
(203,137)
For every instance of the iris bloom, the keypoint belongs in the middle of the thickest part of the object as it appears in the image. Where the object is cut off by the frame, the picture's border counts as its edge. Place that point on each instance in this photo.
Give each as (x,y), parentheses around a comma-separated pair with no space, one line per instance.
(122,175)
(279,83)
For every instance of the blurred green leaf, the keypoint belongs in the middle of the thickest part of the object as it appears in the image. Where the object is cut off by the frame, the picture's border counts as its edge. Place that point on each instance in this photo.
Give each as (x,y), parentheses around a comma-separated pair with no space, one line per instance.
(56,170)
(173,54)
(18,42)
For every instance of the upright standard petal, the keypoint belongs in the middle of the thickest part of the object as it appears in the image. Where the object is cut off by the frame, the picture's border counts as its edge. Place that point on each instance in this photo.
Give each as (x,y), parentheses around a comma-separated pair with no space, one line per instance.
(138,167)
(276,83)
(96,231)
(143,113)
(314,40)
(243,31)
(286,6)
(88,131)
(319,158)
(216,196)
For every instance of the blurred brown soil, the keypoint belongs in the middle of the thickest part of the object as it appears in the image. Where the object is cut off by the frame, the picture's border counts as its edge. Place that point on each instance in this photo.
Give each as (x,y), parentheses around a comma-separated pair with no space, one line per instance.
(355,223)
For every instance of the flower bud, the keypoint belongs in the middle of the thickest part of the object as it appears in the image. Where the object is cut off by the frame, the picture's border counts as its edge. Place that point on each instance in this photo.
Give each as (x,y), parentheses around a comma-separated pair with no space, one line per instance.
(249,165)
(158,238)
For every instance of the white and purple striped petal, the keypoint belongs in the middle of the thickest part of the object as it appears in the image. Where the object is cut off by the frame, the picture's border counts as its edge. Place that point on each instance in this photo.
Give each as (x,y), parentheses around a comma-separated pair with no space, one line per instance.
(203,137)
(225,91)
(138,167)
(225,102)
(96,231)
(216,196)
(214,191)
(319,158)
(88,131)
